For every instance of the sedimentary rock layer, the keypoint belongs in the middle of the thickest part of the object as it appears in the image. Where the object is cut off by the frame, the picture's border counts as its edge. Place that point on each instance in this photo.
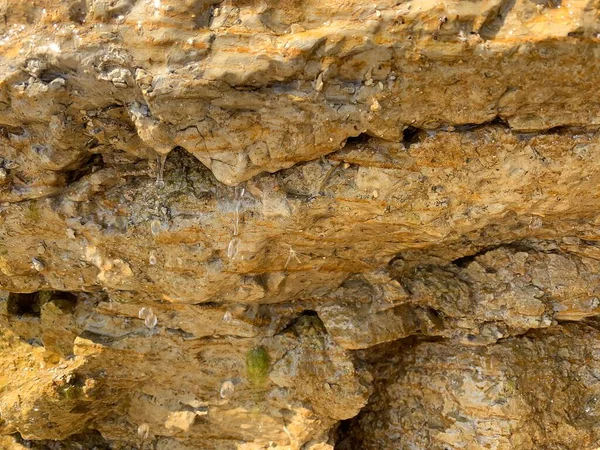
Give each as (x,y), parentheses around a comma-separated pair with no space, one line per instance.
(299,224)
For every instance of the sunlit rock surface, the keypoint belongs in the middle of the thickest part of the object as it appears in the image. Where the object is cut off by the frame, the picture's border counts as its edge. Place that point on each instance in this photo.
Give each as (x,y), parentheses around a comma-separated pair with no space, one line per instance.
(299,225)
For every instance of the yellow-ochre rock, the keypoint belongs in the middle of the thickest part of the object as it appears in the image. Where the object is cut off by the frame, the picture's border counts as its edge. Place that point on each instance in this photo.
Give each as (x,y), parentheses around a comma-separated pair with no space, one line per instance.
(299,225)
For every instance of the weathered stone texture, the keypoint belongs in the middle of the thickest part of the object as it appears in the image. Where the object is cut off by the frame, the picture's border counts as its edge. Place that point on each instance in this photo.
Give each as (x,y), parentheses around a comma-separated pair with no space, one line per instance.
(539,390)
(299,225)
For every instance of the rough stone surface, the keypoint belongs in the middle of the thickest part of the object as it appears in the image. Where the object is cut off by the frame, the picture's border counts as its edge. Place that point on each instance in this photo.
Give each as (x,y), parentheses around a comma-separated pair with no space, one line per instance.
(538,390)
(299,225)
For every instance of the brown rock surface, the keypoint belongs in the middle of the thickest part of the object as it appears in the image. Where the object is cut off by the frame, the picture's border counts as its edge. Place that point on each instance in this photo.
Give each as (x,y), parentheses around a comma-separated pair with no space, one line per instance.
(299,224)
(539,390)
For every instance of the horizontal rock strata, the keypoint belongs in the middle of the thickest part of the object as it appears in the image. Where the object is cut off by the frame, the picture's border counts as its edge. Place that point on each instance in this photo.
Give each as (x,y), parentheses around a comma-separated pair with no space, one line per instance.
(299,225)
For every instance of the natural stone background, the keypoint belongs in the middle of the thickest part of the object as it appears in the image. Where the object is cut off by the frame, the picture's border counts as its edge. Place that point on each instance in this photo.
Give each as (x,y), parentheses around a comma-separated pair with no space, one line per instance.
(299,225)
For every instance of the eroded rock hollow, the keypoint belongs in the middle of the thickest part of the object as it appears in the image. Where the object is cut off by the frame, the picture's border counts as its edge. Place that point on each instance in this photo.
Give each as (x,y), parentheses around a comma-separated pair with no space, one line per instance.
(299,224)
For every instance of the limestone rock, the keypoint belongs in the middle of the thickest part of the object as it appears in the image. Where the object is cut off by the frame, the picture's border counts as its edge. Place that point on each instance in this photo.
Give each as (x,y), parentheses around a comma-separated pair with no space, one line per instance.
(295,225)
(539,390)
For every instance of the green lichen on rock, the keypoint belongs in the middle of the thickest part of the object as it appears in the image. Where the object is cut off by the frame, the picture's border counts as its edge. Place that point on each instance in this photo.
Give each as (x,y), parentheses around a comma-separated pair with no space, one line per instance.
(45,297)
(70,392)
(257,365)
(33,212)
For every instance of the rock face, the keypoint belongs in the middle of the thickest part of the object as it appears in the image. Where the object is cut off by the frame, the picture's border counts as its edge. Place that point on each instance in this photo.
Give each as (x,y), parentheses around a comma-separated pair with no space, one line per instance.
(299,225)
(539,390)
